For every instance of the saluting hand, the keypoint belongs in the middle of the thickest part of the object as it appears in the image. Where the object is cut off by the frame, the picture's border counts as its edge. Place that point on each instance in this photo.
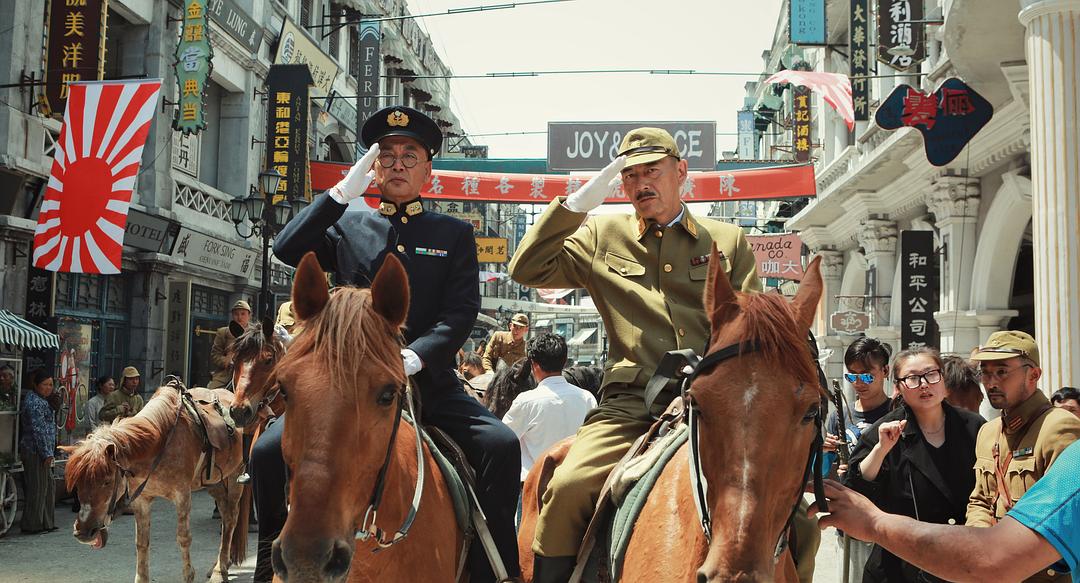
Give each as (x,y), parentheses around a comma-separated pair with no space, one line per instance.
(889,433)
(359,178)
(593,193)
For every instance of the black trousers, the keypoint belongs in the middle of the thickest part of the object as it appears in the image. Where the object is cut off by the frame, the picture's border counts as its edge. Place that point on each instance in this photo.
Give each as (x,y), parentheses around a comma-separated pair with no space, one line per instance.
(491,448)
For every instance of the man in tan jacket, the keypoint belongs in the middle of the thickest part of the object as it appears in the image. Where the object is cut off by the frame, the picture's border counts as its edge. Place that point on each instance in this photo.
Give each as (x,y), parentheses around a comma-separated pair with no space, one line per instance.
(508,347)
(223,339)
(1015,450)
(646,274)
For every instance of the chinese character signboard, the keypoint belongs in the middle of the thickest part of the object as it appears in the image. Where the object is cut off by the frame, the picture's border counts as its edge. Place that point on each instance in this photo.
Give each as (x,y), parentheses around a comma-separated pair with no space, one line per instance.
(576,146)
(210,252)
(287,129)
(918,290)
(192,66)
(800,128)
(368,81)
(75,47)
(901,42)
(39,310)
(177,337)
(236,23)
(948,118)
(490,249)
(859,50)
(778,256)
(295,47)
(473,218)
(748,143)
(850,322)
(807,22)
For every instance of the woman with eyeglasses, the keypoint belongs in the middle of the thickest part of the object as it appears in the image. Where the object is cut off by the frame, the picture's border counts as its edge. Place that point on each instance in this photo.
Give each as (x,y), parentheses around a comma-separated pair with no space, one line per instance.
(917,460)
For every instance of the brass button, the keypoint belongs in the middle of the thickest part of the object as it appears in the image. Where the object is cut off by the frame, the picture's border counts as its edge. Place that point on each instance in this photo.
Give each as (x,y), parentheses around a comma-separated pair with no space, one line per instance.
(1051,572)
(401,248)
(667,267)
(659,234)
(622,270)
(952,521)
(404,219)
(682,332)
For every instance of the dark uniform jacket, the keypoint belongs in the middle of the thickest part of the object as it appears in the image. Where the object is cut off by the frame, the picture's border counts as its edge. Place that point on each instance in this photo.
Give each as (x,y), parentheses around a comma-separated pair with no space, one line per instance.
(909,465)
(439,255)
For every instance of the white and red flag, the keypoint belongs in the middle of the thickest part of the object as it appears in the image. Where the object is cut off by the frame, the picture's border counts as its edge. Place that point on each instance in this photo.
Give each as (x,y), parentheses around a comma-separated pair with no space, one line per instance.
(81,224)
(834,87)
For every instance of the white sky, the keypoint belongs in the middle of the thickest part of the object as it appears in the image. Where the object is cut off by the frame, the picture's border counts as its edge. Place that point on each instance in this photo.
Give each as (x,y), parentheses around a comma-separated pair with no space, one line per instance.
(704,35)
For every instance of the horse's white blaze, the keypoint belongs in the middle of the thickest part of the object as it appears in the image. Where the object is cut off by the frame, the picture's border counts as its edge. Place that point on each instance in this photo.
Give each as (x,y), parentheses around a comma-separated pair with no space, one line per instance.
(84,512)
(744,503)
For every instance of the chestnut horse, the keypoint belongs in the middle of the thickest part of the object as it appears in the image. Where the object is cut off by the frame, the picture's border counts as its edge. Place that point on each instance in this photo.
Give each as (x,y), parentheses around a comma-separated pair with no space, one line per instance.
(158,453)
(344,386)
(756,414)
(254,354)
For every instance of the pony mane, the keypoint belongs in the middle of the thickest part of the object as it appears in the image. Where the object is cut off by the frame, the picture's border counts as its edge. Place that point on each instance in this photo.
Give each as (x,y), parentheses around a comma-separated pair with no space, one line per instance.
(250,344)
(132,437)
(348,336)
(769,321)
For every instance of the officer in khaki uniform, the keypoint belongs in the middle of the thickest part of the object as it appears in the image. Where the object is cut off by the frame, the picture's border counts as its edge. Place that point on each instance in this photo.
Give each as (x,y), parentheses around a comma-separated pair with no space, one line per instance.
(646,273)
(125,402)
(507,346)
(223,339)
(1014,451)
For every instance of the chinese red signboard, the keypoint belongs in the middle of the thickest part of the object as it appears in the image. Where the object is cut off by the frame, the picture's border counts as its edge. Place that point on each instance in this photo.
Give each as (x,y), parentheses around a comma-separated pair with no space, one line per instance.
(859,49)
(75,47)
(287,129)
(800,127)
(901,34)
(778,256)
(947,118)
(918,290)
(749,184)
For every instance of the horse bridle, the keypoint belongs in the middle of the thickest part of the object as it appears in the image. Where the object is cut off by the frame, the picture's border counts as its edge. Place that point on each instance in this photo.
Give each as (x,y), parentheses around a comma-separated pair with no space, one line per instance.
(693,366)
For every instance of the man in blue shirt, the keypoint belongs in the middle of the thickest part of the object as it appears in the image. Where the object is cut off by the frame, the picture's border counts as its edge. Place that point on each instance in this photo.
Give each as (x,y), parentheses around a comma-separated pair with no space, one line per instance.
(1042,529)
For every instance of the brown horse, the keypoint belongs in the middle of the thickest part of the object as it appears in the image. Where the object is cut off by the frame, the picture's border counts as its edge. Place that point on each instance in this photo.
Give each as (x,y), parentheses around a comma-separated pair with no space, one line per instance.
(344,382)
(756,414)
(254,354)
(158,453)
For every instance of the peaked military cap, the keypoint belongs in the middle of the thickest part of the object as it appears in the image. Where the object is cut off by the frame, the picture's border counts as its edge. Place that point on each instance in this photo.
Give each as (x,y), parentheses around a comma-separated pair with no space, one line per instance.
(398,120)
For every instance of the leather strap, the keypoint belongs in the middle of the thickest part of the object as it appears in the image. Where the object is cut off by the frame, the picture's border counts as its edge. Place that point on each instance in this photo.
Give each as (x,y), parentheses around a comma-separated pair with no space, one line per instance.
(1001,468)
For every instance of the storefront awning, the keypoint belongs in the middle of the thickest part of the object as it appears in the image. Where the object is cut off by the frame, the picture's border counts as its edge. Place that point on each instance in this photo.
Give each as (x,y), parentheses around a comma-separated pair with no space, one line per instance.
(15,330)
(582,337)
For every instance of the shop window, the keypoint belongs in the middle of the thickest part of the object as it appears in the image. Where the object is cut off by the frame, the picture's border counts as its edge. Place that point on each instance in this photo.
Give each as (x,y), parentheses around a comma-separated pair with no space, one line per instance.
(354,45)
(335,34)
(305,13)
(209,302)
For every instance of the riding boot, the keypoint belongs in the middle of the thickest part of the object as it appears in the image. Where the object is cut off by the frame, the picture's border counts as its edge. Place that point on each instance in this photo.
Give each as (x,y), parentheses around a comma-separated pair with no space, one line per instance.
(553,569)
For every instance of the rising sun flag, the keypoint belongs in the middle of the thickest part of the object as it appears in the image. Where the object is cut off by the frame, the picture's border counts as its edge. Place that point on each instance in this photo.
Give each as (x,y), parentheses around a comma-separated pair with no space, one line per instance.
(81,224)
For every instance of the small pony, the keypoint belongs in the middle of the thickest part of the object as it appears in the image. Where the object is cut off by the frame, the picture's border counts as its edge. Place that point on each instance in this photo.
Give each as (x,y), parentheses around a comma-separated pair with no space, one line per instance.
(159,453)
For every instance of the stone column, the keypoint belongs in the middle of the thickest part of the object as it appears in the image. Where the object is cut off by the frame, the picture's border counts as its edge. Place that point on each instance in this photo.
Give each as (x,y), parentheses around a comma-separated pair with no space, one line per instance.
(878,240)
(1053,56)
(954,201)
(832,272)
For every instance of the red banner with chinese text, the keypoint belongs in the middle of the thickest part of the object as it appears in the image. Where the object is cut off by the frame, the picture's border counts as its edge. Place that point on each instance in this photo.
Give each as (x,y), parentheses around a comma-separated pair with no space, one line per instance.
(749,184)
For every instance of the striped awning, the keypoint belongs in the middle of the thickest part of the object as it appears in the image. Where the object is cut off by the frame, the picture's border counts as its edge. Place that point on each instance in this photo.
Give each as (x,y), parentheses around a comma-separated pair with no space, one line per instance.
(15,330)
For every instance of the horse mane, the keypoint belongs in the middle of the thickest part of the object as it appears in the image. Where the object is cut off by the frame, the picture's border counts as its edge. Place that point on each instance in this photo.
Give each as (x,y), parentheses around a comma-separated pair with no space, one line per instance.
(769,321)
(348,336)
(250,344)
(140,435)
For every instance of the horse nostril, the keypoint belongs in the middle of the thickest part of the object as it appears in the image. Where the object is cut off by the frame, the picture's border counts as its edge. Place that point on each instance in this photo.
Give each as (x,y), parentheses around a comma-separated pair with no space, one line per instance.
(702,578)
(277,562)
(340,559)
(240,413)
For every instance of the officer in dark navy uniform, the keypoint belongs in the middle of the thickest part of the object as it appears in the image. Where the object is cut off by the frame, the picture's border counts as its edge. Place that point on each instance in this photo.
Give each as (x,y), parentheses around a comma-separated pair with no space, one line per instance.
(439,254)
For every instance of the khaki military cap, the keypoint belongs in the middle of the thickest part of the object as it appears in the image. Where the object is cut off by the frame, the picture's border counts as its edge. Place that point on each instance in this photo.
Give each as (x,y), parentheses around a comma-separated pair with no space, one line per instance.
(241,305)
(645,145)
(130,372)
(520,320)
(1008,344)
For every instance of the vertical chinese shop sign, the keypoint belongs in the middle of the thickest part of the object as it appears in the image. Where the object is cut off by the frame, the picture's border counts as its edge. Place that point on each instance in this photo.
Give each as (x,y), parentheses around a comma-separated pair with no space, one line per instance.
(74,49)
(800,131)
(859,49)
(918,290)
(193,66)
(287,129)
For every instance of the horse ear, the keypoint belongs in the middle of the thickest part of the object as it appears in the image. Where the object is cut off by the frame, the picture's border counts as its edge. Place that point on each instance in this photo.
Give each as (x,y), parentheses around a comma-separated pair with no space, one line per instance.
(68,449)
(235,329)
(110,449)
(806,299)
(390,291)
(309,291)
(719,294)
(267,328)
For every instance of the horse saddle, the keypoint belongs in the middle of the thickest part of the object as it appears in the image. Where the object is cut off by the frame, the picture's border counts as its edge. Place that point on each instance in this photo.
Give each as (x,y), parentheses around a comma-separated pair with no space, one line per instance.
(218,428)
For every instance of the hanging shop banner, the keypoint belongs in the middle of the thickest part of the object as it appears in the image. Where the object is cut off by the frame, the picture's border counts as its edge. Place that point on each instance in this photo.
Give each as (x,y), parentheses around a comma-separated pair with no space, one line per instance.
(490,249)
(75,47)
(576,146)
(287,129)
(800,129)
(98,154)
(367,82)
(236,23)
(918,290)
(747,149)
(196,248)
(859,49)
(850,322)
(778,256)
(901,42)
(342,109)
(177,337)
(807,23)
(748,184)
(193,67)
(40,286)
(947,118)
(295,47)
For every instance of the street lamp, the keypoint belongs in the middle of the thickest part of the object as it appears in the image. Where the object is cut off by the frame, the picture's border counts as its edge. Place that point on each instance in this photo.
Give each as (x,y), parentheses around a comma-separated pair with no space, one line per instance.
(267,219)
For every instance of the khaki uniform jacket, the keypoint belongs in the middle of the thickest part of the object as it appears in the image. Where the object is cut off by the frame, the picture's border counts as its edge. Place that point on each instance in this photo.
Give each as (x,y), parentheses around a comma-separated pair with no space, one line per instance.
(502,346)
(219,357)
(115,401)
(646,284)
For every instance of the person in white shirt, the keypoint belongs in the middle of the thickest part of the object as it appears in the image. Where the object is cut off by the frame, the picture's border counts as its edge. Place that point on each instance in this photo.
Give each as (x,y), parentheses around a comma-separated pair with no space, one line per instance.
(554,410)
(105,385)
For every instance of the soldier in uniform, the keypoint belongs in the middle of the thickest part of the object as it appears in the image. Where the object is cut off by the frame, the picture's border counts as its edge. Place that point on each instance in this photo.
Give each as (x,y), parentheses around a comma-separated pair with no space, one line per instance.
(439,255)
(1015,450)
(223,339)
(646,273)
(126,402)
(508,347)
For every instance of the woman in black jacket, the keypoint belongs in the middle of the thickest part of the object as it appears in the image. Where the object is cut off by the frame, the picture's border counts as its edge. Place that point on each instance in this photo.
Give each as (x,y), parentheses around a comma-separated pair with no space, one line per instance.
(917,460)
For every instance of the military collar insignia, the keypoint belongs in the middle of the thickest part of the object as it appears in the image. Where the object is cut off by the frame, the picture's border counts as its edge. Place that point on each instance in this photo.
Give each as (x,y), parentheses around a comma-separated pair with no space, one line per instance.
(411,208)
(687,222)
(1021,417)
(397,118)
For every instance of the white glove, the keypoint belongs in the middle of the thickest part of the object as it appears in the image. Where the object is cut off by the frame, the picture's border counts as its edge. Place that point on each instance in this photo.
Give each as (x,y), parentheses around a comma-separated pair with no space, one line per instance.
(596,190)
(412,362)
(359,178)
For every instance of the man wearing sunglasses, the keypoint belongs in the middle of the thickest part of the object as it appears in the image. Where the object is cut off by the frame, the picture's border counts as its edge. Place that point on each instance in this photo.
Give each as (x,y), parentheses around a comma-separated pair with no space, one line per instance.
(1015,450)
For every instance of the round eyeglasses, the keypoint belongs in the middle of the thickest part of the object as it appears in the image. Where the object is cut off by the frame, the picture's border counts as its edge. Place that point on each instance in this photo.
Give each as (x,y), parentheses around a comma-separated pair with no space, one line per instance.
(408,160)
(916,380)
